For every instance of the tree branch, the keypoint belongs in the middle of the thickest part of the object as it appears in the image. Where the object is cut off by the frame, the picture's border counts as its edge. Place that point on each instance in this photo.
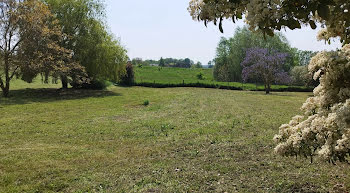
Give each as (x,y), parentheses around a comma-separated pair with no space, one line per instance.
(2,48)
(15,46)
(2,83)
(6,32)
(13,73)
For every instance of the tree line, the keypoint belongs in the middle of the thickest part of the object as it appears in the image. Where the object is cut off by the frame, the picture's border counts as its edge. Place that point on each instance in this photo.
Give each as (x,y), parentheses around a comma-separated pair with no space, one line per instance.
(232,63)
(168,62)
(65,40)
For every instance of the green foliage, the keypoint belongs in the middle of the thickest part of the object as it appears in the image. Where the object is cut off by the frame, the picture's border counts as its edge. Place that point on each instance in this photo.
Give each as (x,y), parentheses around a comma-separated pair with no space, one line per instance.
(231,52)
(161,62)
(137,61)
(200,76)
(94,48)
(301,76)
(128,77)
(198,65)
(180,63)
(268,16)
(31,44)
(165,62)
(96,84)
(303,57)
(146,103)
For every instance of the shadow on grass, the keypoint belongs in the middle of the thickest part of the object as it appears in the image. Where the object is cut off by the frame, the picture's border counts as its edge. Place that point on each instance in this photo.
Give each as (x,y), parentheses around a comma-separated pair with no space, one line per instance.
(273,93)
(25,96)
(263,93)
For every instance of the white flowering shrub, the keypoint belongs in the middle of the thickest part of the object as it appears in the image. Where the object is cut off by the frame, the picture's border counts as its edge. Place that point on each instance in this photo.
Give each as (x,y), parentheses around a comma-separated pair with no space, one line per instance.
(324,129)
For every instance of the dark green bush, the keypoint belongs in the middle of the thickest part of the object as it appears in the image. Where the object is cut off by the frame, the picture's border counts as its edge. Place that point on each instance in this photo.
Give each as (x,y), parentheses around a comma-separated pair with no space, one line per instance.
(146,103)
(200,76)
(129,77)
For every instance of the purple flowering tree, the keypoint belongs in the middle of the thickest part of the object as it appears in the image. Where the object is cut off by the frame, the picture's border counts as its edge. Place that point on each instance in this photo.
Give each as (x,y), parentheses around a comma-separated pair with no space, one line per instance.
(266,65)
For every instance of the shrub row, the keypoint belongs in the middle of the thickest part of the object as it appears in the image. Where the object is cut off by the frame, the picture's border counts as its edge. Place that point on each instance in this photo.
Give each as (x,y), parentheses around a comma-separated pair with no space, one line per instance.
(199,85)
(203,85)
(288,89)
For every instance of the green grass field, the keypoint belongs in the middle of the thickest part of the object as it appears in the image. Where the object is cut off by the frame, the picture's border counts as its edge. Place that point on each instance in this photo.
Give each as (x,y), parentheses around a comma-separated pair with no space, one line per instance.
(166,75)
(185,140)
(171,75)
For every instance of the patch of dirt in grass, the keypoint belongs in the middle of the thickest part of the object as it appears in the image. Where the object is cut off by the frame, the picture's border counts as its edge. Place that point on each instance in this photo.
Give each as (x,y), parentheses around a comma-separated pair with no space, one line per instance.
(121,118)
(300,188)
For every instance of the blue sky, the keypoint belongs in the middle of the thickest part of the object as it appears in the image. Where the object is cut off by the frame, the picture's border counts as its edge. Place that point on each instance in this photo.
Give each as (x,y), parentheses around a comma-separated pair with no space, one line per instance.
(151,29)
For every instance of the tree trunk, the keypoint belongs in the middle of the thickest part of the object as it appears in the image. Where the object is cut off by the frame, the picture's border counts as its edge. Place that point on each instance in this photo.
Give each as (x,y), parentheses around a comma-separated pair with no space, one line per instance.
(5,91)
(6,88)
(64,81)
(268,88)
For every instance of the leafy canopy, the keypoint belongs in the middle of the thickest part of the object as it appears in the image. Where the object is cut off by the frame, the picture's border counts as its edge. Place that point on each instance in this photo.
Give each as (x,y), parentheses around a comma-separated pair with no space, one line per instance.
(269,15)
(30,43)
(231,52)
(94,47)
(266,65)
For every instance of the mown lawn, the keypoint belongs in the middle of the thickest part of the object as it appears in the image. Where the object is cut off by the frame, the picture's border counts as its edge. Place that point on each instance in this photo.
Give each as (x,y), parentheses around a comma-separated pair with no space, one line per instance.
(186,140)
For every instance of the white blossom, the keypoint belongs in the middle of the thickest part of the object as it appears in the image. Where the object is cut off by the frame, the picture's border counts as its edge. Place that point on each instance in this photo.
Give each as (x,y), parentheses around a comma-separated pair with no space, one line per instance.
(328,123)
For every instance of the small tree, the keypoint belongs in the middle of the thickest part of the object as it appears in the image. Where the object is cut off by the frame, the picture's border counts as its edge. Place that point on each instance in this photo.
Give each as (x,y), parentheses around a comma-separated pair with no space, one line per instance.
(265,65)
(198,65)
(161,62)
(200,76)
(187,63)
(127,78)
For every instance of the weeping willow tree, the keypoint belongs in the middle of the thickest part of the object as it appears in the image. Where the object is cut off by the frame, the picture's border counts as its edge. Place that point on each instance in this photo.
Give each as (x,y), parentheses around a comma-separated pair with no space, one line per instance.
(102,55)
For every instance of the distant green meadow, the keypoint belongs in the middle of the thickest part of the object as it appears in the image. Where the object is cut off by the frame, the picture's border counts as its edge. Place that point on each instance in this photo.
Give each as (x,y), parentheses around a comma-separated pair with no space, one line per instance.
(172,75)
(176,77)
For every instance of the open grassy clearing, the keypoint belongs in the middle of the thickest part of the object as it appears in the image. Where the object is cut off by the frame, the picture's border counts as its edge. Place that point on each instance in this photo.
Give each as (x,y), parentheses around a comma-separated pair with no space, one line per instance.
(178,76)
(186,140)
